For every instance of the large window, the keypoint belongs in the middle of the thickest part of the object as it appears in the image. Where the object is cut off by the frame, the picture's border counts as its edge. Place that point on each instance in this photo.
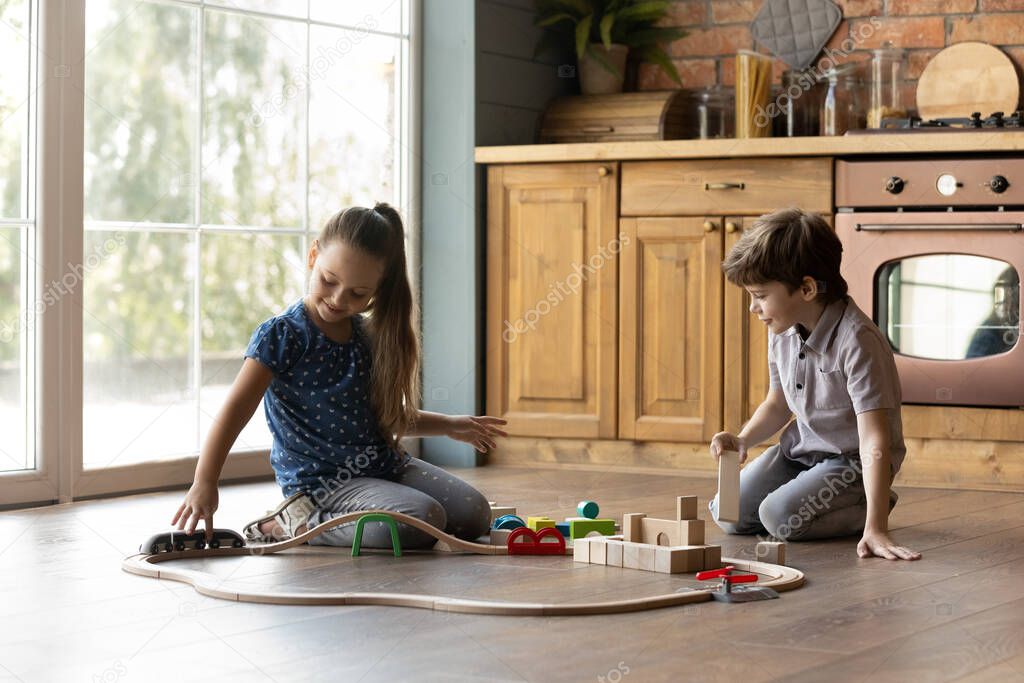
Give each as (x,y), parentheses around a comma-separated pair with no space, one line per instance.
(215,138)
(17,126)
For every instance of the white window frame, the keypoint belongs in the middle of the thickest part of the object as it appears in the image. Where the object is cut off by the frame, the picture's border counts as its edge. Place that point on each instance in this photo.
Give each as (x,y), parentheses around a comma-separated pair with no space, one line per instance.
(57,398)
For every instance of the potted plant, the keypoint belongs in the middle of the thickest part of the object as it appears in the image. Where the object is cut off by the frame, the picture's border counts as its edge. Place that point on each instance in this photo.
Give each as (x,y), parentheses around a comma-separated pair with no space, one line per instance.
(603,32)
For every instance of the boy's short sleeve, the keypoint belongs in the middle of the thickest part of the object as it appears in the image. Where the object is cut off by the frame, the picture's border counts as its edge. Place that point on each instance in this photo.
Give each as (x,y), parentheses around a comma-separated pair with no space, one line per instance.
(276,344)
(774,382)
(870,370)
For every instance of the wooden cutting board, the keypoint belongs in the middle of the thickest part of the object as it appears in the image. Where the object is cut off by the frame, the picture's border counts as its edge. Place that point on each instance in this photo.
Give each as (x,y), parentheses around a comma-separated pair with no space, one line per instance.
(967,77)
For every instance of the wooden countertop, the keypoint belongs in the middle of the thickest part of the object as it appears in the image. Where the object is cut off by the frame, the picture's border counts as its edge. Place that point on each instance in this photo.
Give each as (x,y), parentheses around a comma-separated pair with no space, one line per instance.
(949,142)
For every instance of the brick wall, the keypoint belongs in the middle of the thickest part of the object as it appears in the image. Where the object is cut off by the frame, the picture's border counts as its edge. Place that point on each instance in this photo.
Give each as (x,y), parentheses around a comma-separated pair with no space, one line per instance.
(717,28)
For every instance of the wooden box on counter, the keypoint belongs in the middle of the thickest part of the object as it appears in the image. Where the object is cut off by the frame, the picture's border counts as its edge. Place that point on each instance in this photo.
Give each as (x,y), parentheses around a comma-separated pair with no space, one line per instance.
(651,115)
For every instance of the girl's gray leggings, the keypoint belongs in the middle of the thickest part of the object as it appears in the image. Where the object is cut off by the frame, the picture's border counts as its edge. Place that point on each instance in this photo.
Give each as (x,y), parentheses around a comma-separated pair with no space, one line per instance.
(420,489)
(797,502)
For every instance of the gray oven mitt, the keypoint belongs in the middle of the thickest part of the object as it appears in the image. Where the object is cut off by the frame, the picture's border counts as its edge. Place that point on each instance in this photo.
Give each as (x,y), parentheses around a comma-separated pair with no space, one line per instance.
(795,30)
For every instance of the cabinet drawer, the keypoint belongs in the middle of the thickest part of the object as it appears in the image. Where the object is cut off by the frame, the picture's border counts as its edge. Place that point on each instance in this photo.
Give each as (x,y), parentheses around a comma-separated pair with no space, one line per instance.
(725,186)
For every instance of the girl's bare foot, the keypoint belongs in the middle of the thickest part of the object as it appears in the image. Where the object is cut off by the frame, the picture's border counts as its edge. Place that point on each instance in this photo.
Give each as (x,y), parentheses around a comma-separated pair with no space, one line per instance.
(273,529)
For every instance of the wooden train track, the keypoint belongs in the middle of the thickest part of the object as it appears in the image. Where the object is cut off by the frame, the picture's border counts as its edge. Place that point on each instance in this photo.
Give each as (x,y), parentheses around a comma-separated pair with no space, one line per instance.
(779,577)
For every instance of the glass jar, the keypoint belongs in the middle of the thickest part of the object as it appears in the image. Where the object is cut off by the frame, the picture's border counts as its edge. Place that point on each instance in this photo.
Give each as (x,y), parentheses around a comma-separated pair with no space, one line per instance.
(841,107)
(753,90)
(800,98)
(712,113)
(886,83)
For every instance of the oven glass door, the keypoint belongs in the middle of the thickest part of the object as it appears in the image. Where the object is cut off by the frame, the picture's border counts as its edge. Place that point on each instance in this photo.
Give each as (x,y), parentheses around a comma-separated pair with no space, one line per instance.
(945,290)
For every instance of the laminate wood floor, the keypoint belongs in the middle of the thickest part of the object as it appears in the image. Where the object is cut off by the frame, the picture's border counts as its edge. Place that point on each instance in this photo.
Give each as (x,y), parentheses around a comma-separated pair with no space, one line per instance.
(69,613)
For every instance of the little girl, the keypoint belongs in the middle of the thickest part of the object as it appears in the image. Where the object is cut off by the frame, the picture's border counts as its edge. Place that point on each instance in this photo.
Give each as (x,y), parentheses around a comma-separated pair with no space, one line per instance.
(340,389)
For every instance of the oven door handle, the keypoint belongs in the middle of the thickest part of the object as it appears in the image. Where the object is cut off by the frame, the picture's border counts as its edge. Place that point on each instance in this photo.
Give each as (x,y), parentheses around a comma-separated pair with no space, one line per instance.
(944,227)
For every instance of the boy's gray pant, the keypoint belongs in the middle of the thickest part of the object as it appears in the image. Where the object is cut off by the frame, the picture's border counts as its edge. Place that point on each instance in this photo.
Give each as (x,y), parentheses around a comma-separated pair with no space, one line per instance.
(797,502)
(420,489)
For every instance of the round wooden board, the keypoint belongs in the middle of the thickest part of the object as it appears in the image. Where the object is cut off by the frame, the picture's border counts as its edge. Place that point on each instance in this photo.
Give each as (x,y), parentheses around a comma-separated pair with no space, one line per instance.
(965,78)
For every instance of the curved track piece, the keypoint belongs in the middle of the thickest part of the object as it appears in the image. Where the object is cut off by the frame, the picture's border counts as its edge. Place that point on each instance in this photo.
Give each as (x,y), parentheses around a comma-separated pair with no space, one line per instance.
(779,577)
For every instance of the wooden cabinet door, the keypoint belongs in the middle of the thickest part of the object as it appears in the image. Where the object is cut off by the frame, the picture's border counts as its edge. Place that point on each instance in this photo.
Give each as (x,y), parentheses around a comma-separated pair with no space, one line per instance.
(552,264)
(745,366)
(670,335)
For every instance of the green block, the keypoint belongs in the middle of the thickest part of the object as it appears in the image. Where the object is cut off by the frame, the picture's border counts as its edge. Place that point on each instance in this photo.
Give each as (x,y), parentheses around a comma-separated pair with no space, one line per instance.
(579,528)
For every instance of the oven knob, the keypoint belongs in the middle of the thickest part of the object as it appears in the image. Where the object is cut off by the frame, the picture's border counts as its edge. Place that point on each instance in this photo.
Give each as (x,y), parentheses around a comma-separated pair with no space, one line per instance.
(894,185)
(998,184)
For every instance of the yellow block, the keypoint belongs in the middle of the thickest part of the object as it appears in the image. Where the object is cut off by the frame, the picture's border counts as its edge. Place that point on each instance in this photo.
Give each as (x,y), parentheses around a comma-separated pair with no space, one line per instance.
(538,523)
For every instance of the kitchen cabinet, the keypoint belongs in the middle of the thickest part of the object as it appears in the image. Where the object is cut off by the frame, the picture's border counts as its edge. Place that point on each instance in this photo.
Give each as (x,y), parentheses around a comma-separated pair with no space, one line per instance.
(552,262)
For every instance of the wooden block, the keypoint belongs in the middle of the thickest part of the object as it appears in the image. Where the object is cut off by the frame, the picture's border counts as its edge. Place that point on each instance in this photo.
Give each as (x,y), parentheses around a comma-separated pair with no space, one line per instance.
(498,511)
(773,552)
(598,551)
(686,507)
(646,557)
(729,486)
(631,555)
(579,528)
(499,536)
(632,526)
(653,527)
(581,550)
(613,553)
(712,557)
(691,532)
(538,523)
(678,559)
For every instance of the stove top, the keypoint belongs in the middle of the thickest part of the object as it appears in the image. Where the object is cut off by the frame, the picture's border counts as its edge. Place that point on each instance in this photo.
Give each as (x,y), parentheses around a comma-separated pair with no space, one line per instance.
(996,121)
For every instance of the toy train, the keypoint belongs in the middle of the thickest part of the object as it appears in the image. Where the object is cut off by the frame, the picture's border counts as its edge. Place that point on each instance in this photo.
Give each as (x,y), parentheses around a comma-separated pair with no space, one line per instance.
(179,540)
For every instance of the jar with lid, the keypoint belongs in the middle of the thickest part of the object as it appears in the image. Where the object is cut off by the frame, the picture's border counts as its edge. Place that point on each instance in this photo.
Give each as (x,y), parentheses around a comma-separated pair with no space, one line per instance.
(886,82)
(842,108)
(799,100)
(711,114)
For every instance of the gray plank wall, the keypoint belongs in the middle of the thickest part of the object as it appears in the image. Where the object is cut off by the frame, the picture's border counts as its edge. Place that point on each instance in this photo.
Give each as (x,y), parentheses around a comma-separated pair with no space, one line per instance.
(513,87)
(481,86)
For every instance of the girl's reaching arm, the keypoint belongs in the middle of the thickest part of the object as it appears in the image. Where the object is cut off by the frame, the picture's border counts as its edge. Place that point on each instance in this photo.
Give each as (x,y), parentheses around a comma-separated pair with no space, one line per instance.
(245,395)
(479,432)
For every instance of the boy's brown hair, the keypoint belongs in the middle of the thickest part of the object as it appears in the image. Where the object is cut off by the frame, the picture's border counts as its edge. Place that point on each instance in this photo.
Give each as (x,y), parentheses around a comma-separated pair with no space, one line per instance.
(786,246)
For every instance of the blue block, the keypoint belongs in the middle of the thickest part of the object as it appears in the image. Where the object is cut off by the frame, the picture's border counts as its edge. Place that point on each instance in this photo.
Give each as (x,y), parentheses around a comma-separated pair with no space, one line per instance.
(508,522)
(588,509)
(563,528)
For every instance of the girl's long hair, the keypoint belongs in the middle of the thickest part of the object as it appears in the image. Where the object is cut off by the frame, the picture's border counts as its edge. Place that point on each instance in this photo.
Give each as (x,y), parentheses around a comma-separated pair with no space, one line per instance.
(394,341)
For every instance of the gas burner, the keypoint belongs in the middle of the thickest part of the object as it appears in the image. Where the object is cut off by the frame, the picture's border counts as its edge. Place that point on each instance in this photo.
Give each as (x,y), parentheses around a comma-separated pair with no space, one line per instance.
(995,121)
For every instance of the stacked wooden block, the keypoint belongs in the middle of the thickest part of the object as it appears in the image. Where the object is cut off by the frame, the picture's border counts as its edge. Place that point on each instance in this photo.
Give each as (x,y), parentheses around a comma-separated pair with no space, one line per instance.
(654,545)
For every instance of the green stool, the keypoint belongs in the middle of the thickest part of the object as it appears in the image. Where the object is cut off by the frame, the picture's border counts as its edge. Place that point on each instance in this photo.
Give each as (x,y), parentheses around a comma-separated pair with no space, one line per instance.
(376,517)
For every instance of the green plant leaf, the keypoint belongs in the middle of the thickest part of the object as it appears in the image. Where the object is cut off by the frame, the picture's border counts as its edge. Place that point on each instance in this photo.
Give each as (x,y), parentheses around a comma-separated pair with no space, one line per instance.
(606,29)
(650,11)
(603,61)
(583,35)
(656,55)
(654,36)
(554,19)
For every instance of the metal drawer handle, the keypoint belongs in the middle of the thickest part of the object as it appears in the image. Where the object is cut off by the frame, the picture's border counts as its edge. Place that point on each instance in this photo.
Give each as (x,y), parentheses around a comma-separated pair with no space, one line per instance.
(975,227)
(723,186)
(598,129)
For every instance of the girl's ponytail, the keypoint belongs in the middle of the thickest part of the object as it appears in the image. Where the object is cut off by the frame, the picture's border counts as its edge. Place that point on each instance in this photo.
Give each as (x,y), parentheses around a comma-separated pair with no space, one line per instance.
(392,320)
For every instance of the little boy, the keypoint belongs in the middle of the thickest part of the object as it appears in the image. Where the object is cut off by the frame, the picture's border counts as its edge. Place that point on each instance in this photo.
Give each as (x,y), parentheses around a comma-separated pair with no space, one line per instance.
(831,367)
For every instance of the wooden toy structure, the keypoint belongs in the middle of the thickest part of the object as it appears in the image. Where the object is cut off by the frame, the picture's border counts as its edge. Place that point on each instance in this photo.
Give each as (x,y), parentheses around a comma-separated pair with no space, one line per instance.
(669,546)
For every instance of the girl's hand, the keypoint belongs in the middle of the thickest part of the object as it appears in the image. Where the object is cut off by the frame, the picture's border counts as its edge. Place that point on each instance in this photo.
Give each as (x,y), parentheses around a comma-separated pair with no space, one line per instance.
(724,441)
(479,432)
(878,544)
(200,503)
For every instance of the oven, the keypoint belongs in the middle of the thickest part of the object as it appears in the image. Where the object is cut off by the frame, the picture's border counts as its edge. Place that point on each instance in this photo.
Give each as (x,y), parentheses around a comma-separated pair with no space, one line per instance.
(933,250)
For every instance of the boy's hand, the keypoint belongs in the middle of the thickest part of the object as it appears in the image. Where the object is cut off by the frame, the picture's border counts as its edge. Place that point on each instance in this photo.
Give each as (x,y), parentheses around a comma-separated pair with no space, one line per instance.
(479,432)
(200,503)
(724,441)
(878,544)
